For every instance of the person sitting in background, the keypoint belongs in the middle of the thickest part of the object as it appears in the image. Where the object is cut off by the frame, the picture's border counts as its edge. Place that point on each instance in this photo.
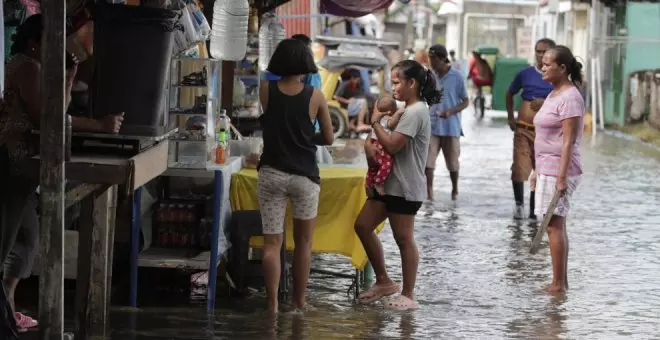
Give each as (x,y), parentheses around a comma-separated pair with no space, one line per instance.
(350,94)
(20,113)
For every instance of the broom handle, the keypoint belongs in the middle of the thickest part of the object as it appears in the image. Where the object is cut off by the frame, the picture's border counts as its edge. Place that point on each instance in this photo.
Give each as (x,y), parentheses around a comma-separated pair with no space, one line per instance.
(544,225)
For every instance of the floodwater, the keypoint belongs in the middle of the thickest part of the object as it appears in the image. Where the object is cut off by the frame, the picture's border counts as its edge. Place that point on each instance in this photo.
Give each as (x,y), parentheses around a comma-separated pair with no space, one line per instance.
(476,278)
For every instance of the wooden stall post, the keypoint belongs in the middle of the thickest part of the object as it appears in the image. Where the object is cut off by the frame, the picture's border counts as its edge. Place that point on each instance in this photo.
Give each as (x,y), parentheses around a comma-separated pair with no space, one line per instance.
(51,278)
(95,262)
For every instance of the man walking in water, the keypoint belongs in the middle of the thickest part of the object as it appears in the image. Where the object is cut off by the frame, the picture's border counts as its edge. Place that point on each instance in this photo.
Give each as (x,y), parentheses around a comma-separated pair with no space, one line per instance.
(534,91)
(445,119)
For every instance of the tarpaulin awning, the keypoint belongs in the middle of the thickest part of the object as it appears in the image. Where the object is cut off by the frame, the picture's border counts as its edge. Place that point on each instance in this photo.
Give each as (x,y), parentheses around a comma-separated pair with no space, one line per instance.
(353,8)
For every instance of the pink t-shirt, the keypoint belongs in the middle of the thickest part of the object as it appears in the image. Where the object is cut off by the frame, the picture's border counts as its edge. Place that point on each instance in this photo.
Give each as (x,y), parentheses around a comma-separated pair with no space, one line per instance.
(549,136)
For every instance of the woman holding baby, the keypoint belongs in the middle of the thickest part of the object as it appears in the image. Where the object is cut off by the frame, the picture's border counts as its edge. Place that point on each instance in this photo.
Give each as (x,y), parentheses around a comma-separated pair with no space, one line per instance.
(404,189)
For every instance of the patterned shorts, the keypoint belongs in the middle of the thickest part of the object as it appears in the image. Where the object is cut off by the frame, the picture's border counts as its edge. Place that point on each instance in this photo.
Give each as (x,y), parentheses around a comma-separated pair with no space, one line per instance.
(275,189)
(545,190)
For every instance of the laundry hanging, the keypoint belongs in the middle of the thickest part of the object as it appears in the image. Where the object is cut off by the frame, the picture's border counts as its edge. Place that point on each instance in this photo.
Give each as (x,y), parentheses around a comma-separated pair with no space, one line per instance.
(352,8)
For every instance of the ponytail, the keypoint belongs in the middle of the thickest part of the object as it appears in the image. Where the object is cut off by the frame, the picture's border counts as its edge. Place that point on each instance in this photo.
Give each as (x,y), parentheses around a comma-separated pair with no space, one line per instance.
(429,92)
(564,56)
(575,73)
(411,69)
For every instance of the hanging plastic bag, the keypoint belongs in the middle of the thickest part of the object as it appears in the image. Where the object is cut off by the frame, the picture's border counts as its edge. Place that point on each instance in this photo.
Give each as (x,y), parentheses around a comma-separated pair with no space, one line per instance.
(187,37)
(202,25)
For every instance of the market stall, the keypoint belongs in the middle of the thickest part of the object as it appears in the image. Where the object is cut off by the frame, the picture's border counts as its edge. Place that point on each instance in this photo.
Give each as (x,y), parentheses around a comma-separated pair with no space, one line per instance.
(341,198)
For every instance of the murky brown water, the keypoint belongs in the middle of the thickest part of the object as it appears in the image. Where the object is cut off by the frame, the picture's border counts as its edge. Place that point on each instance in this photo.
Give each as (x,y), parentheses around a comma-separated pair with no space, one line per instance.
(476,279)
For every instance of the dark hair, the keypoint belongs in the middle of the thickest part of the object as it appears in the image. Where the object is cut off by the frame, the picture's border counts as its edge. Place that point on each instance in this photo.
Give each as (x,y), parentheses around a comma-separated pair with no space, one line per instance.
(564,56)
(302,38)
(411,69)
(292,58)
(30,29)
(551,43)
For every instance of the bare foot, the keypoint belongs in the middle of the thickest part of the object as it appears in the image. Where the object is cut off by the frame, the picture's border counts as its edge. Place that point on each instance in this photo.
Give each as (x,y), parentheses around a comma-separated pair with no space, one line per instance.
(454,194)
(378,291)
(555,288)
(298,309)
(380,189)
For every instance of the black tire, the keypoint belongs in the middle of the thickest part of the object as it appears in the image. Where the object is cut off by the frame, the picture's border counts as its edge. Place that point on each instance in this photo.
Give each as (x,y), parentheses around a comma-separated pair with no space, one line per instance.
(479,107)
(339,123)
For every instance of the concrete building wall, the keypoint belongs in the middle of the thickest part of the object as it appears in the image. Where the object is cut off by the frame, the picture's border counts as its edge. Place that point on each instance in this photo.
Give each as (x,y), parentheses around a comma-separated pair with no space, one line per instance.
(640,52)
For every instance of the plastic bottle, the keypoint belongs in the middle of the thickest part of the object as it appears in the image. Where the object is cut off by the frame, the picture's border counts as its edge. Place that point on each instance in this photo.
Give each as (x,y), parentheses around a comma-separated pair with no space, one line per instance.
(221,148)
(270,34)
(229,29)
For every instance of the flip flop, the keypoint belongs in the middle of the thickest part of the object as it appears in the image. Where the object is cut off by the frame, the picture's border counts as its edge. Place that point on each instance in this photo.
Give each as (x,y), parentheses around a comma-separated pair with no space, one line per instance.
(402,303)
(24,322)
(377,292)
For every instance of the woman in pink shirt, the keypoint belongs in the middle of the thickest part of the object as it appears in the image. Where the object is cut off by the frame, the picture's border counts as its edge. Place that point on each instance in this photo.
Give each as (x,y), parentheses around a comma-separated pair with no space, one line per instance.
(559,125)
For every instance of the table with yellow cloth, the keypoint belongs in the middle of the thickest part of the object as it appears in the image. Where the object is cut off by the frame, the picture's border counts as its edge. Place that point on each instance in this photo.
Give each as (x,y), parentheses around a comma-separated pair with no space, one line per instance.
(342,196)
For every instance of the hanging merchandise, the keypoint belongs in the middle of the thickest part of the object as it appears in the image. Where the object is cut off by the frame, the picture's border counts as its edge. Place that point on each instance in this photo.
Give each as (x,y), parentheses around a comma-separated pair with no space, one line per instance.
(229,29)
(195,29)
(270,34)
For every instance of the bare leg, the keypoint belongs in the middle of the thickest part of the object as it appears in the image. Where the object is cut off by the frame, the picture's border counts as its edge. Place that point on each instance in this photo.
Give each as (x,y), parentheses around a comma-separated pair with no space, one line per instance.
(429,183)
(361,126)
(373,214)
(559,252)
(302,259)
(10,285)
(454,184)
(402,227)
(566,259)
(271,268)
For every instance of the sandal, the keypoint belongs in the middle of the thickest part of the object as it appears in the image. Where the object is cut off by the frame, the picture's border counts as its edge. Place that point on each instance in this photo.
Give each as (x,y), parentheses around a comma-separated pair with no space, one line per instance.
(24,322)
(402,303)
(377,292)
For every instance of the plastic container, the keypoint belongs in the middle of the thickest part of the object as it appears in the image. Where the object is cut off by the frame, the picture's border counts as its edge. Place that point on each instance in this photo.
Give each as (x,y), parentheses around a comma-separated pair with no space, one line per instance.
(222,126)
(229,29)
(270,34)
(132,79)
(505,71)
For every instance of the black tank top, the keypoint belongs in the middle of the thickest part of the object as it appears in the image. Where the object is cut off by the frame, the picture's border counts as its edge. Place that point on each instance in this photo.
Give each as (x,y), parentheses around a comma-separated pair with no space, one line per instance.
(288,133)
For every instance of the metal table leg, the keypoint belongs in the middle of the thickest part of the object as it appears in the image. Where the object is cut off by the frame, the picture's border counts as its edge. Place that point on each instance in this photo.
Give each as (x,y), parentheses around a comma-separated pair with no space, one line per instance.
(136,225)
(213,258)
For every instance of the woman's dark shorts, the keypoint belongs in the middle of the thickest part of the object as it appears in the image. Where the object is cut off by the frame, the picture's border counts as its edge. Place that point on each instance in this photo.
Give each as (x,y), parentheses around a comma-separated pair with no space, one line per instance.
(397,204)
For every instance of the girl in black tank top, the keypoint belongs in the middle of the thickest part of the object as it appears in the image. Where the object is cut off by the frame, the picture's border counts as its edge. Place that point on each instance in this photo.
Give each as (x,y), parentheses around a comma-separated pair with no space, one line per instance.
(288,133)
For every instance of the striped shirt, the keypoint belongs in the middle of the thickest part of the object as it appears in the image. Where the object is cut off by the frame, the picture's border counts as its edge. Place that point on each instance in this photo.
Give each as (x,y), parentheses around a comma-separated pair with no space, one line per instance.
(557,107)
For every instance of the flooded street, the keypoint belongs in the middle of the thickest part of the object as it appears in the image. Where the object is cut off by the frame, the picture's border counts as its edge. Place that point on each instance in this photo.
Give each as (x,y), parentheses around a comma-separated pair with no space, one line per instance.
(476,278)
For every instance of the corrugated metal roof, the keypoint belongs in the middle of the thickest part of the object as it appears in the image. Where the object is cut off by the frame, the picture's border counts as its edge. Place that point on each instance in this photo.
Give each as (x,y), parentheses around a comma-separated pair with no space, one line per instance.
(301,23)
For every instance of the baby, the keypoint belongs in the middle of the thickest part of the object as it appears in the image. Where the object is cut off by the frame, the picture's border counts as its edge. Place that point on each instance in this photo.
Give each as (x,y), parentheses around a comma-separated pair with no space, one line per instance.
(378,173)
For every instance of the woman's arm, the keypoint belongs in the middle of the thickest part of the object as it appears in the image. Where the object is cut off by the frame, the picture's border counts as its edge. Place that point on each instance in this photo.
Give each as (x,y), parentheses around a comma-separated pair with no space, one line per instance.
(326,137)
(569,129)
(263,95)
(30,91)
(392,143)
(393,122)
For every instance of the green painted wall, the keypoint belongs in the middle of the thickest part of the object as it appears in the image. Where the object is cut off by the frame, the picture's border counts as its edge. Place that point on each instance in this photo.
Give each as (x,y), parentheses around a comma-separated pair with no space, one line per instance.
(642,20)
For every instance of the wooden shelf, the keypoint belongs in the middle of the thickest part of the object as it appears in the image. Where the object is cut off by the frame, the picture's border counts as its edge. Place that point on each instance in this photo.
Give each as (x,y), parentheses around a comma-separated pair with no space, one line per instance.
(174,259)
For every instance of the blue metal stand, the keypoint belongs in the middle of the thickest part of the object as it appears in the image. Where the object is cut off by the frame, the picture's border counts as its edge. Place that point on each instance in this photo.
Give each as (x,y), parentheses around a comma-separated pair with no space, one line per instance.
(136,226)
(213,258)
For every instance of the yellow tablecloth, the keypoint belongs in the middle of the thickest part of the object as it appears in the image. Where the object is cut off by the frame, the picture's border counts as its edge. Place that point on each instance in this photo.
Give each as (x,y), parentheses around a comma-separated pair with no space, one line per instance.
(342,196)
